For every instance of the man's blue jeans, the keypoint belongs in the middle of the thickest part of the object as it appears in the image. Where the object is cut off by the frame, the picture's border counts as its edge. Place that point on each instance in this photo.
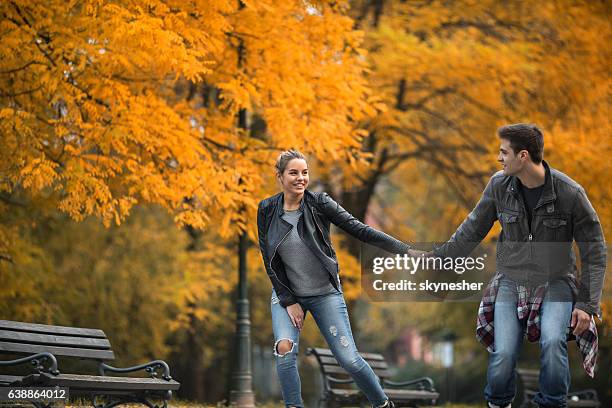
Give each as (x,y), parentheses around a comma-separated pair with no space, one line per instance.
(555,315)
(330,314)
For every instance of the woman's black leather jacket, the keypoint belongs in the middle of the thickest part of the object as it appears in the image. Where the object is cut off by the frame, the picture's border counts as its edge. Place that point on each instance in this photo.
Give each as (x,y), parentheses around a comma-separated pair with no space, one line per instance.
(319,210)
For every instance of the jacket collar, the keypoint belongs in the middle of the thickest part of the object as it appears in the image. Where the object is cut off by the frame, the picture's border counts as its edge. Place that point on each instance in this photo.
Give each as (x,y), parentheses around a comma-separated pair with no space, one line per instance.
(281,199)
(548,193)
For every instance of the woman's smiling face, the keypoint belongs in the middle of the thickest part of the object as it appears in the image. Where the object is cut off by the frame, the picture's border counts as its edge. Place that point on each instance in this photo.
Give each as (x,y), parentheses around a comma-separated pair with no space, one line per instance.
(294,178)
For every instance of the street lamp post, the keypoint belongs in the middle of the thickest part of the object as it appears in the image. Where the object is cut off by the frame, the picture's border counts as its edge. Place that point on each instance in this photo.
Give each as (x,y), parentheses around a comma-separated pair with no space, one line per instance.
(241,393)
(448,357)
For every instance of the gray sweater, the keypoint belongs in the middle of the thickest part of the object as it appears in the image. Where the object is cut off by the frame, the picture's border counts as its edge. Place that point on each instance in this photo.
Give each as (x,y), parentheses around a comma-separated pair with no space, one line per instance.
(306,273)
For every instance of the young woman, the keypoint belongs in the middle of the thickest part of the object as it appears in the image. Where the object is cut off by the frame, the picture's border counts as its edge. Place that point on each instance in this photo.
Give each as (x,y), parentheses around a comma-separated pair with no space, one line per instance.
(301,262)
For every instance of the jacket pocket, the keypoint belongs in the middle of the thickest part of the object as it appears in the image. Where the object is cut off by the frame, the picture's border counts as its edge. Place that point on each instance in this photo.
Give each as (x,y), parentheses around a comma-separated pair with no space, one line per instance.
(555,229)
(511,226)
(554,222)
(508,218)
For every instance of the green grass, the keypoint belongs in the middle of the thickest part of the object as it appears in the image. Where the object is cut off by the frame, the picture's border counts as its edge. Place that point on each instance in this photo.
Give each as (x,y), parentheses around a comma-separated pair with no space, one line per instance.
(183,404)
(178,404)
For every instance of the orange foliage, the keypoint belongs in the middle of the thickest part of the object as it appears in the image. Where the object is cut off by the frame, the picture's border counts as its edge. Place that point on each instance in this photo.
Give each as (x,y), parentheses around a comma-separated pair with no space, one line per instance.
(93,114)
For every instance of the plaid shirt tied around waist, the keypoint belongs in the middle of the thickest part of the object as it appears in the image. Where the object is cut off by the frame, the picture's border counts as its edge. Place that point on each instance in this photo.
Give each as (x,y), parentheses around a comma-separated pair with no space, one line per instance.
(528,307)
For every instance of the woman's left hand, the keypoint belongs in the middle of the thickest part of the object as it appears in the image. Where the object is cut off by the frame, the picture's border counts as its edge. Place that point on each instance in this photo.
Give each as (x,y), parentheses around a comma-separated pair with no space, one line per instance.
(296,314)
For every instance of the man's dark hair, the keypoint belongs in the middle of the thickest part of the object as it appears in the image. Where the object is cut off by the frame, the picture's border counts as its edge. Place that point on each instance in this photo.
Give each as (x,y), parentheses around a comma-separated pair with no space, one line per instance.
(524,136)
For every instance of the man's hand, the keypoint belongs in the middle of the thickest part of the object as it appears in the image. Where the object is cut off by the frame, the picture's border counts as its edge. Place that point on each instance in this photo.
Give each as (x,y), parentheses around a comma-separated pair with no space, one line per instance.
(296,314)
(580,321)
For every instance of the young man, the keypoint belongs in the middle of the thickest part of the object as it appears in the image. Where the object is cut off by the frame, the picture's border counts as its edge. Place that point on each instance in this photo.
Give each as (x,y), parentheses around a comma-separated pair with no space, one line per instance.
(541,211)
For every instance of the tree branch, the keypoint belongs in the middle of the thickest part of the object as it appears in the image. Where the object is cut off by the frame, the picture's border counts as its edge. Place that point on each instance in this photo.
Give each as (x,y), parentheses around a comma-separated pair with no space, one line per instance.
(11,71)
(28,91)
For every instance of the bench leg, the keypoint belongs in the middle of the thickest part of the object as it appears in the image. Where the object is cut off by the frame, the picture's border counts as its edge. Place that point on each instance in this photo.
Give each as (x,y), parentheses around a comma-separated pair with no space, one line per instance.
(328,403)
(111,403)
(41,404)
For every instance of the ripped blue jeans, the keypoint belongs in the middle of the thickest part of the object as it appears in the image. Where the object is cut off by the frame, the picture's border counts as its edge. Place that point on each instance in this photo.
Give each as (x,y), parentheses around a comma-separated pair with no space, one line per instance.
(330,314)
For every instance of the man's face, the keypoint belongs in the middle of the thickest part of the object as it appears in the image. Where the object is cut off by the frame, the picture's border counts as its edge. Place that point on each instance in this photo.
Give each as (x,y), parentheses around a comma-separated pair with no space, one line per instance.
(512,163)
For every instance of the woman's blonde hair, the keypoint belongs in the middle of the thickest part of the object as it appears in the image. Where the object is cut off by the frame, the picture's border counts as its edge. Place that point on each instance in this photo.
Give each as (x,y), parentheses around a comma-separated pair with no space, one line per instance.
(285,157)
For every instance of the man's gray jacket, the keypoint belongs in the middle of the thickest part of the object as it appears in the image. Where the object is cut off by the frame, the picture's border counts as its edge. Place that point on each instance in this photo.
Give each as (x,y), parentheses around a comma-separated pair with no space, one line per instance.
(542,252)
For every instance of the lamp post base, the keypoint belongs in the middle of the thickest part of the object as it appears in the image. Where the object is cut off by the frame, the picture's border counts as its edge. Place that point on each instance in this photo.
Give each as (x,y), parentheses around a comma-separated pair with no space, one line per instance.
(242,399)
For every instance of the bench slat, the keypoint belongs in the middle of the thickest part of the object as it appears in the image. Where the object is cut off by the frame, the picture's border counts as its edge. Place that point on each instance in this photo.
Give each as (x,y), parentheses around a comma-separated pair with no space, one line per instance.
(52,340)
(8,347)
(8,379)
(48,329)
(366,356)
(384,373)
(346,393)
(372,356)
(583,404)
(410,394)
(529,378)
(97,382)
(372,363)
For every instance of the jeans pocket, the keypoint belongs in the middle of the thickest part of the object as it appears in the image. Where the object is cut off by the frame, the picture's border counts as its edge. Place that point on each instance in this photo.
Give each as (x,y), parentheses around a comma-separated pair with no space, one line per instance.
(274,300)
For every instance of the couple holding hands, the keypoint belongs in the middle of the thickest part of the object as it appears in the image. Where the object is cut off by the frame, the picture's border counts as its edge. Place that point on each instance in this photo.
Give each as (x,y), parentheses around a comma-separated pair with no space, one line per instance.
(534,292)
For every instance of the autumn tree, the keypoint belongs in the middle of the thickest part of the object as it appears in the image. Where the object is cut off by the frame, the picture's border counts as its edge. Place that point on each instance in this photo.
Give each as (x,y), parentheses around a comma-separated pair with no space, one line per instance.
(107,105)
(450,73)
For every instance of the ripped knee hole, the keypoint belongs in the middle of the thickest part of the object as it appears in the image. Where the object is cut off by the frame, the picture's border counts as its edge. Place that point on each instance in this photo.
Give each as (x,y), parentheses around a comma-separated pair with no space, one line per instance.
(283,346)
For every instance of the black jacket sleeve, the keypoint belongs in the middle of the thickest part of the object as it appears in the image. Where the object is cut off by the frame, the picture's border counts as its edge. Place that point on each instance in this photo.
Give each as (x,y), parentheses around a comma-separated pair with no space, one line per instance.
(473,229)
(590,240)
(345,221)
(284,295)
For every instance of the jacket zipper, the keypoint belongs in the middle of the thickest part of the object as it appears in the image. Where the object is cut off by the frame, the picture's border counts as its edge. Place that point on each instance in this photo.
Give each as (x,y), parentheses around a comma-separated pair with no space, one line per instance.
(529,224)
(329,246)
(320,230)
(271,259)
(530,236)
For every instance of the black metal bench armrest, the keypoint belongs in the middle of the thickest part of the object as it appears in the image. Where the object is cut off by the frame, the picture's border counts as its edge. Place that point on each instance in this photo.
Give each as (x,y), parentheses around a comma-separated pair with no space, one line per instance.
(37,361)
(150,367)
(589,394)
(425,383)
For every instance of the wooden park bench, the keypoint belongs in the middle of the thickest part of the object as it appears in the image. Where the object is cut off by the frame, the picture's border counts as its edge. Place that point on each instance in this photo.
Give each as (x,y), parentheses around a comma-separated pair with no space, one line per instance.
(580,399)
(40,346)
(339,390)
